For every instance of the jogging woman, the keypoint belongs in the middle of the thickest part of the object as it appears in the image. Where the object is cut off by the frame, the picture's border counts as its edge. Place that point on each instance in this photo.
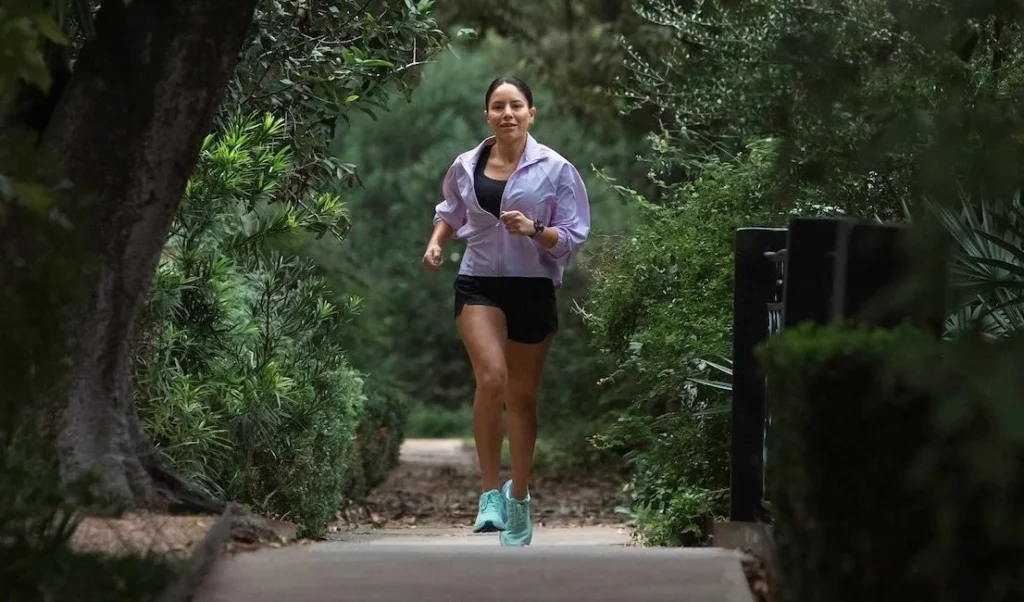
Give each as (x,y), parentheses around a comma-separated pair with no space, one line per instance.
(523,211)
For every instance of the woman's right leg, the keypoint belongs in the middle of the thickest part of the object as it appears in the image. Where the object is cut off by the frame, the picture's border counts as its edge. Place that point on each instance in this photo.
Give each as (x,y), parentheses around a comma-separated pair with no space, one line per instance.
(483,331)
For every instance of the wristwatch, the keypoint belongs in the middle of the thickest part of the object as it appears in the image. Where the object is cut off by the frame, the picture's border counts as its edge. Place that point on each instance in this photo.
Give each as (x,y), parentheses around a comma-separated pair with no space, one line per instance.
(538,227)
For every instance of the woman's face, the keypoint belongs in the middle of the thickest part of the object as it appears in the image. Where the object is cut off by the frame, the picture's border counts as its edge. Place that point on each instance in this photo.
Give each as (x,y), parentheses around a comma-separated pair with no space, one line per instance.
(508,113)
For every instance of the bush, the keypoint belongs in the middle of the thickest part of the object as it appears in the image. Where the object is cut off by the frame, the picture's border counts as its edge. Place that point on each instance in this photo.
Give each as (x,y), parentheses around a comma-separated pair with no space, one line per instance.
(242,378)
(890,457)
(378,442)
(661,304)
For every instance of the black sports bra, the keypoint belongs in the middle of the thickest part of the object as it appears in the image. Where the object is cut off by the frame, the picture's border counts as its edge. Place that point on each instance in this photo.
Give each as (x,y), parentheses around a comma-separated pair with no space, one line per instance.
(488,190)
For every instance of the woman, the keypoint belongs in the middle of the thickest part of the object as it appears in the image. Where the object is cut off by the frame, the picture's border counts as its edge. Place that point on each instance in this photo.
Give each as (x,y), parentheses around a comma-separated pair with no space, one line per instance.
(523,211)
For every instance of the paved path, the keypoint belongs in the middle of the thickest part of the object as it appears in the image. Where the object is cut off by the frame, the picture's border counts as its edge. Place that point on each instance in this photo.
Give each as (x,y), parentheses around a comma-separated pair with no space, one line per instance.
(437,452)
(451,565)
(563,564)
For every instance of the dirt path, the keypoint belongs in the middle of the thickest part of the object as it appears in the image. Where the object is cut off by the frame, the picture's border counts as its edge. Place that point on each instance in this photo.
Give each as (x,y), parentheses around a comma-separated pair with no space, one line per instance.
(437,486)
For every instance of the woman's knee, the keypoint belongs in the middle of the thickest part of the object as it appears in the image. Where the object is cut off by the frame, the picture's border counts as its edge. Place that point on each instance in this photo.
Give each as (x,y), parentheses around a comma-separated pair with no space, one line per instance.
(522,402)
(492,381)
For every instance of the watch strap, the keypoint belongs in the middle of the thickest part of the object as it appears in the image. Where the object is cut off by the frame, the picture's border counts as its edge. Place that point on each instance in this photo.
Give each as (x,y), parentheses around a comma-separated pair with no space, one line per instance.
(538,227)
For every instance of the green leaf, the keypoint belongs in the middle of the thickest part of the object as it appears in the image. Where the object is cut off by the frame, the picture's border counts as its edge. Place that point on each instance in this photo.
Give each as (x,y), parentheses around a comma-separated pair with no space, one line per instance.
(49,28)
(32,195)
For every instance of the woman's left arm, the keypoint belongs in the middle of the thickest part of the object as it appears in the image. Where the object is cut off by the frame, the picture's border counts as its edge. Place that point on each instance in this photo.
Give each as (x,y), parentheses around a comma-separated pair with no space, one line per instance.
(570,223)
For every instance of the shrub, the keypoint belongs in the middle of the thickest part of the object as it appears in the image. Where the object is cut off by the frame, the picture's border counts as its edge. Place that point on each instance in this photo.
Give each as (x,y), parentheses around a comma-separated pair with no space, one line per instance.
(378,442)
(242,379)
(661,303)
(890,457)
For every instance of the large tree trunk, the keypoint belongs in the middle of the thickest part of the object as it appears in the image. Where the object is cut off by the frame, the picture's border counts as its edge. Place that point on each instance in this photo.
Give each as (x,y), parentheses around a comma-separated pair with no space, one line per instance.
(127,134)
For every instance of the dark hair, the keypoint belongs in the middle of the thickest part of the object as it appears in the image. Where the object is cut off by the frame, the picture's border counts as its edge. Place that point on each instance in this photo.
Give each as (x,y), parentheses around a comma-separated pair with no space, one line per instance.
(509,79)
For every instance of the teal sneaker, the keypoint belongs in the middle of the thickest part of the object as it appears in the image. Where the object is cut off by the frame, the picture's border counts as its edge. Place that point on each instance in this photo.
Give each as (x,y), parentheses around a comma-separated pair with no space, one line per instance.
(518,529)
(491,515)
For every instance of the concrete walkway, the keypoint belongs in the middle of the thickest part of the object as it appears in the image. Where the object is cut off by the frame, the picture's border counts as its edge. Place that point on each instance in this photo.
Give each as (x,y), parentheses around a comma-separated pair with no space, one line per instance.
(586,564)
(451,565)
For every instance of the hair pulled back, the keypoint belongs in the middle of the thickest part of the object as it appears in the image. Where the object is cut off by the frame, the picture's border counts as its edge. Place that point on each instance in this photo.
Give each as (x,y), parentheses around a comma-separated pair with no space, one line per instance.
(518,82)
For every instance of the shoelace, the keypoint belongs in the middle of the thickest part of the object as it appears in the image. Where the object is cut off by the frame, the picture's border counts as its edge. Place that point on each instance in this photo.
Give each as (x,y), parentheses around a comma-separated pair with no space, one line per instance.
(489,502)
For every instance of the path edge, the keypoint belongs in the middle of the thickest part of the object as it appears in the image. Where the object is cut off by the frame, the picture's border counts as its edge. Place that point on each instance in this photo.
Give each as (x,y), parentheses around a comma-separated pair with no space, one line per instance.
(203,557)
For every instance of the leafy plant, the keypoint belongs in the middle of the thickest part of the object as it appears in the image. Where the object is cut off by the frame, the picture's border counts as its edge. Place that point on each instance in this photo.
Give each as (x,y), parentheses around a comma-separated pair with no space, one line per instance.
(314,64)
(242,378)
(660,305)
(987,266)
(725,369)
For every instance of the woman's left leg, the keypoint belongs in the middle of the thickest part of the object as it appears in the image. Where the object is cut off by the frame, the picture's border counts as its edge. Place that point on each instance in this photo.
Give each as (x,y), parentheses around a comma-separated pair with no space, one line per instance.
(525,364)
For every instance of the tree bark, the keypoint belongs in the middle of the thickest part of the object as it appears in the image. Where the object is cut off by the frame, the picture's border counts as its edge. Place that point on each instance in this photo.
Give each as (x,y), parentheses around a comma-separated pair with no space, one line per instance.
(126,135)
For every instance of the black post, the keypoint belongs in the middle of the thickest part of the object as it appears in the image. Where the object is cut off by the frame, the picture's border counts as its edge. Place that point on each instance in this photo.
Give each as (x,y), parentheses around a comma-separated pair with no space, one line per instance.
(752,292)
(810,265)
(873,279)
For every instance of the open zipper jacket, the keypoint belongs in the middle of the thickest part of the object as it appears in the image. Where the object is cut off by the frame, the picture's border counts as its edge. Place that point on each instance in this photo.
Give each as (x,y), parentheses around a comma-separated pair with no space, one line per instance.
(543,186)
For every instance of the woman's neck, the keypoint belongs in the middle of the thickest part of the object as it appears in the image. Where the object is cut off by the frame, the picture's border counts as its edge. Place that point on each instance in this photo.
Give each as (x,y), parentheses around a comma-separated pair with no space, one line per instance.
(509,152)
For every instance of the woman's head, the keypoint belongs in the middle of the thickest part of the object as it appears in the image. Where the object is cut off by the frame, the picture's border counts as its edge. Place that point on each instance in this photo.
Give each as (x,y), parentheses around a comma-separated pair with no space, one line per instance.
(508,107)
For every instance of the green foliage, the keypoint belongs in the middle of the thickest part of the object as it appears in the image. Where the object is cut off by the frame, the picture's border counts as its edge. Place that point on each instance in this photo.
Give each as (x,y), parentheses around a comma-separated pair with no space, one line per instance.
(572,47)
(987,270)
(379,435)
(661,303)
(875,102)
(241,378)
(864,437)
(407,334)
(436,422)
(315,63)
(24,26)
(869,107)
(865,420)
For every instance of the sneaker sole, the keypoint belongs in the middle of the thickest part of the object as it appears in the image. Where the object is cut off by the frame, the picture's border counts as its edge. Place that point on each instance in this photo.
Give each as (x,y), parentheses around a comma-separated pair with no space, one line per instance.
(488,527)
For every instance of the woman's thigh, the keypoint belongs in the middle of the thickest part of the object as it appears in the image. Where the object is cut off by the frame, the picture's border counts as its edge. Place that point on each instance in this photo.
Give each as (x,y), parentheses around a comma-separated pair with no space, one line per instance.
(483,332)
(525,364)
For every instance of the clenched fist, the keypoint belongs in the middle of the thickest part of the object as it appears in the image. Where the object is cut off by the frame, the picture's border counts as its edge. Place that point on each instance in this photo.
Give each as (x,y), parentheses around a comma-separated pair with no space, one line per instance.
(432,257)
(517,223)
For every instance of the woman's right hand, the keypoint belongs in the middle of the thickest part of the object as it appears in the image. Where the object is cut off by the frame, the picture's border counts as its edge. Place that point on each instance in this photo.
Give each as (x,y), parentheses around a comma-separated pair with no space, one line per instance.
(432,257)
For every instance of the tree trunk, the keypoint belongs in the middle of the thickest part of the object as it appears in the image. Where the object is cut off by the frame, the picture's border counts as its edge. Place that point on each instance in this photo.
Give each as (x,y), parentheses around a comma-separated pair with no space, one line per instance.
(126,135)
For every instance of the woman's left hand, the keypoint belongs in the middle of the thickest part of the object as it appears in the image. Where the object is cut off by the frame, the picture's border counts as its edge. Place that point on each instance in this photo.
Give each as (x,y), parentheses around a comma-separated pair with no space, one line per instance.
(517,223)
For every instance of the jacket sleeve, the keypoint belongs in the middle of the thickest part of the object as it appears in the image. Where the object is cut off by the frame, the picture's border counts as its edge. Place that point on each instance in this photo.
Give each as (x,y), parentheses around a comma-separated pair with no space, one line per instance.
(452,209)
(571,217)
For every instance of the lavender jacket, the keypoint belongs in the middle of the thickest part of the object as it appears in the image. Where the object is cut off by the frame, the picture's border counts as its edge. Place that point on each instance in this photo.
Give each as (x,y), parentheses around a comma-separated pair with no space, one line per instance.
(544,185)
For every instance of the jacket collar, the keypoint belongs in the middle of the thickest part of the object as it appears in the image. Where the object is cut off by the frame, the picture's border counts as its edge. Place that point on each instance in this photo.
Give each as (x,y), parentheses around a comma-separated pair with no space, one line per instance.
(531,154)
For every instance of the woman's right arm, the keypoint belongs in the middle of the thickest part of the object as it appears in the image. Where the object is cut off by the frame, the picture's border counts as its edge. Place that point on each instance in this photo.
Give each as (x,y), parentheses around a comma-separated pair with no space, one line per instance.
(449,216)
(442,233)
(452,209)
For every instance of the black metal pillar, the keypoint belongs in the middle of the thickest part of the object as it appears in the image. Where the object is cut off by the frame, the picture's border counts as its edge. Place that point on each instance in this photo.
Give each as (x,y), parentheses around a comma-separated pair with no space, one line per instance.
(810,265)
(873,279)
(752,292)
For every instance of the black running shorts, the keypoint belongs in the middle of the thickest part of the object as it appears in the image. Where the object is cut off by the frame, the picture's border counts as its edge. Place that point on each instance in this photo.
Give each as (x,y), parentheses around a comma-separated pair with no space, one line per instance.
(530,307)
